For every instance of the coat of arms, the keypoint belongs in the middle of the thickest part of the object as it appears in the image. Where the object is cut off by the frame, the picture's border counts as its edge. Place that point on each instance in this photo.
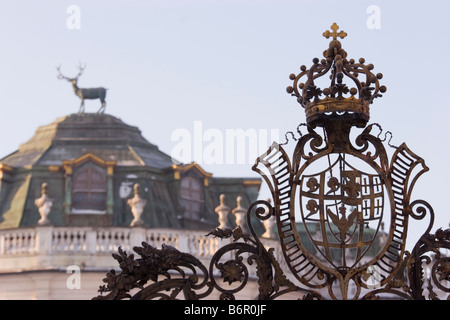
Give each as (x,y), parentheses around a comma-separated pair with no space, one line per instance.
(341,188)
(339,203)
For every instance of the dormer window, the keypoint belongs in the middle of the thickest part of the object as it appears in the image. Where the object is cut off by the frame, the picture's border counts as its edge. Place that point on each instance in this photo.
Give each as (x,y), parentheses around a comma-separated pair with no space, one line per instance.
(89,184)
(89,191)
(191,191)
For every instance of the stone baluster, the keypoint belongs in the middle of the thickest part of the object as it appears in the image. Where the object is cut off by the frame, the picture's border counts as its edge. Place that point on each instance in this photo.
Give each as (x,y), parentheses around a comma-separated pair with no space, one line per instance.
(223,210)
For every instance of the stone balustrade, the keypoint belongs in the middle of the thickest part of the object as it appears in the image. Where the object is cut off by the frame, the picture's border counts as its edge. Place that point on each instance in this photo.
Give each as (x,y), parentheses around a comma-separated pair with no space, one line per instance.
(54,248)
(18,241)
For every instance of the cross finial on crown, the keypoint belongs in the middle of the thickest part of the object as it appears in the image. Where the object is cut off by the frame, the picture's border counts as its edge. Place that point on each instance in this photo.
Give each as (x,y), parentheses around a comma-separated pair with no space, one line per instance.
(334,34)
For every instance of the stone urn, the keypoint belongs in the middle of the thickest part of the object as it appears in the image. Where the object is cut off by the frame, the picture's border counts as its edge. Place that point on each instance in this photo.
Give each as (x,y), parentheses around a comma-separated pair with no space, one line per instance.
(223,210)
(137,205)
(240,213)
(44,204)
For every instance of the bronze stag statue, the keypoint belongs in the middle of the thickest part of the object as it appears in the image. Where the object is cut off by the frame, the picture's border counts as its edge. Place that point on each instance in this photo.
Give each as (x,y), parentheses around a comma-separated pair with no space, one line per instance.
(85,93)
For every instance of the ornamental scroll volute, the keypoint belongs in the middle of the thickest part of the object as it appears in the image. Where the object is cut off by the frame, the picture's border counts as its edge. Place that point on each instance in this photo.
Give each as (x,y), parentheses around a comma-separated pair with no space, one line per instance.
(341,190)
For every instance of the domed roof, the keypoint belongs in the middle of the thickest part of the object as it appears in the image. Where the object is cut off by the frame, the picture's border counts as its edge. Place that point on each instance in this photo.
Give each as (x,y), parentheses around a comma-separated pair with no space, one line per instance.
(90,163)
(71,136)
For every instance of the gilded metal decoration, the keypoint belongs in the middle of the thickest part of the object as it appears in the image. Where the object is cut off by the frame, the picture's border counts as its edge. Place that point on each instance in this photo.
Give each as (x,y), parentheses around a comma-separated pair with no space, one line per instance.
(353,200)
(85,93)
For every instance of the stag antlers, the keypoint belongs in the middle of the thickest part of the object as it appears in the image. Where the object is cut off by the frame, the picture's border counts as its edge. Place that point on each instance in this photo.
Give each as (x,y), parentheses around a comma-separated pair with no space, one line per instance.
(80,68)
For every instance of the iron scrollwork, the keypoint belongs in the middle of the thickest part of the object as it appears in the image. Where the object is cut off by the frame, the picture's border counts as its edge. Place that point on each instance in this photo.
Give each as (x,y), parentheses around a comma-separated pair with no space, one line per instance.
(169,274)
(397,273)
(336,205)
(340,189)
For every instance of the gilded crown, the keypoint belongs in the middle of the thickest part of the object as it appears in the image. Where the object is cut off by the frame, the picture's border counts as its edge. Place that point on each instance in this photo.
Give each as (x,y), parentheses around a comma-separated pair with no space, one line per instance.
(337,101)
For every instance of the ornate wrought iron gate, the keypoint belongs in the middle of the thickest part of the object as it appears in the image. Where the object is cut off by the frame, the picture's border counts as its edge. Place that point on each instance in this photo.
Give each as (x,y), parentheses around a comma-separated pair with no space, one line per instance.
(337,185)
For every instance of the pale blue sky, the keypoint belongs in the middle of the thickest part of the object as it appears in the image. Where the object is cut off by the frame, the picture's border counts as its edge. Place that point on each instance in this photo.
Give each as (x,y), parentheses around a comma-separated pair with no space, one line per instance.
(225,63)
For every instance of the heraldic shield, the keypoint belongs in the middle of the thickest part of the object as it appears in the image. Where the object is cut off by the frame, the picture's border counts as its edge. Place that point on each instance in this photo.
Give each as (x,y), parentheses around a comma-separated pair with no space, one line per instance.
(336,206)
(343,195)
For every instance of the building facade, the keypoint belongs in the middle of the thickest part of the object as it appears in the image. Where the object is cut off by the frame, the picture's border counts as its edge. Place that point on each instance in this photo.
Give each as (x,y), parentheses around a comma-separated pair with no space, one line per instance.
(91,163)
(86,184)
